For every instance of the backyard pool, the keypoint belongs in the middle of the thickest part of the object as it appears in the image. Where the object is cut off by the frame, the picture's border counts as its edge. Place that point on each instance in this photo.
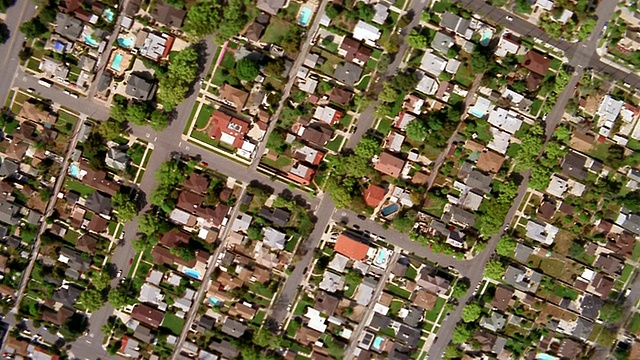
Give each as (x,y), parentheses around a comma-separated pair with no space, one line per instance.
(115,64)
(389,209)
(487,34)
(74,171)
(90,40)
(193,273)
(108,15)
(215,301)
(543,356)
(381,257)
(377,343)
(125,42)
(477,113)
(305,16)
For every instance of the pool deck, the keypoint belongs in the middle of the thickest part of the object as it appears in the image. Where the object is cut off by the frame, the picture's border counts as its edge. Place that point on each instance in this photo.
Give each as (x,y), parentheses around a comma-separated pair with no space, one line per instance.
(124,64)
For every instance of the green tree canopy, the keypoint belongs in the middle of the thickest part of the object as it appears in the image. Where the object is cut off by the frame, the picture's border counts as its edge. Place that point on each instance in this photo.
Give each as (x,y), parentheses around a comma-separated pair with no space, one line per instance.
(367,147)
(416,40)
(461,334)
(494,269)
(611,312)
(471,312)
(182,71)
(33,28)
(90,300)
(388,94)
(506,246)
(99,279)
(460,289)
(126,208)
(404,222)
(247,69)
(417,130)
(117,298)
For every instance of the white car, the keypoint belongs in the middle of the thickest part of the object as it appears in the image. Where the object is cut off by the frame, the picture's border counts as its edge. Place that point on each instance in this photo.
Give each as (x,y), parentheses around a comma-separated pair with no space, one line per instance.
(509,18)
(119,273)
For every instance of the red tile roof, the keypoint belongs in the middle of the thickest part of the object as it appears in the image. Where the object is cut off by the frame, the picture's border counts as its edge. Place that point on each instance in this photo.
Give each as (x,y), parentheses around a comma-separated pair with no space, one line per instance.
(222,123)
(351,248)
(536,63)
(389,165)
(373,195)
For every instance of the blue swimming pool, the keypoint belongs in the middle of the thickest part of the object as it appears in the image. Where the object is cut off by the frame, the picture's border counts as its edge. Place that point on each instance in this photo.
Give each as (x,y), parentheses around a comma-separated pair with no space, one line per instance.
(215,301)
(543,356)
(193,273)
(90,40)
(74,171)
(389,209)
(125,42)
(305,16)
(108,15)
(476,113)
(381,257)
(377,343)
(115,64)
(486,37)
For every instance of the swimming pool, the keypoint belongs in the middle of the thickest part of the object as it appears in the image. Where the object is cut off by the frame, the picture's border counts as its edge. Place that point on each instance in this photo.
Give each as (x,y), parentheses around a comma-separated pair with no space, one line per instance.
(115,64)
(381,257)
(125,42)
(475,112)
(305,16)
(193,273)
(74,171)
(543,356)
(390,209)
(108,15)
(377,343)
(486,37)
(90,40)
(215,301)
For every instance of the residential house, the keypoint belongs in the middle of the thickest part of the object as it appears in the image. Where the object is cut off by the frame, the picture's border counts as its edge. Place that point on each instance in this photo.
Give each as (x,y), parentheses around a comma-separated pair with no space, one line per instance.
(225,349)
(442,42)
(308,154)
(331,282)
(317,133)
(348,73)
(528,280)
(117,159)
(54,67)
(155,46)
(74,260)
(351,248)
(99,203)
(227,129)
(455,23)
(541,232)
(147,315)
(233,328)
(254,31)
(429,281)
(374,195)
(433,64)
(168,15)
(506,45)
(490,161)
(538,66)
(87,243)
(233,97)
(381,13)
(354,51)
(340,96)
(174,238)
(366,32)
(427,85)
(326,304)
(270,6)
(140,88)
(458,216)
(574,165)
(274,238)
(390,165)
(366,290)
(424,299)
(68,26)
(307,336)
(58,317)
(494,322)
(9,213)
(278,217)
(327,115)
(67,295)
(502,298)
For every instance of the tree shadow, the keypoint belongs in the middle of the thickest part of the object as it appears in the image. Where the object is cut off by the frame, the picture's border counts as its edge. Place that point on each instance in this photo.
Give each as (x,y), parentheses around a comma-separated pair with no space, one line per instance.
(5,33)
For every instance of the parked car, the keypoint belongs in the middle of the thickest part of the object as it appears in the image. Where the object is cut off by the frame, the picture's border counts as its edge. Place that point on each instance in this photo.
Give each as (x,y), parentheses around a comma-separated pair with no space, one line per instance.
(119,273)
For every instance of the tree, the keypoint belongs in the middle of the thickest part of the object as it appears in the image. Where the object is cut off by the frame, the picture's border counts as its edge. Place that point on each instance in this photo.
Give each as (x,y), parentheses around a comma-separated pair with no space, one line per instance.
(333,10)
(460,289)
(117,298)
(249,353)
(523,7)
(33,28)
(383,63)
(340,195)
(183,252)
(266,339)
(417,130)
(365,12)
(137,113)
(540,178)
(452,352)
(150,224)
(126,208)
(615,156)
(275,68)
(586,28)
(507,192)
(506,246)
(203,18)
(416,40)
(405,81)
(404,222)
(388,94)
(182,71)
(110,129)
(479,61)
(461,334)
(159,120)
(494,269)
(471,312)
(247,69)
(100,279)
(382,111)
(391,45)
(144,242)
(90,300)
(367,147)
(291,40)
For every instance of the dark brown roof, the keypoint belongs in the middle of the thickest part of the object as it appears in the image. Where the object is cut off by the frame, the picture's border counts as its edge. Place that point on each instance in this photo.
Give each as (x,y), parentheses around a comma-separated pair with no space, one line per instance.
(147,315)
(168,15)
(57,317)
(536,63)
(502,298)
(97,223)
(161,255)
(340,96)
(254,32)
(307,336)
(326,303)
(318,135)
(98,179)
(546,210)
(174,238)
(197,183)
(533,81)
(87,243)
(566,208)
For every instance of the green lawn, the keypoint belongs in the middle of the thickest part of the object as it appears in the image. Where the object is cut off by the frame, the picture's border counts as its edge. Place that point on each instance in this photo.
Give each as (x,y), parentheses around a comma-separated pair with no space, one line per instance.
(280,164)
(203,116)
(172,323)
(276,31)
(71,236)
(626,273)
(291,244)
(635,255)
(261,290)
(384,126)
(364,82)
(79,187)
(634,325)
(228,61)
(464,76)
(302,305)
(33,64)
(555,64)
(257,320)
(412,272)
(432,315)
(535,107)
(335,143)
(398,291)
(435,205)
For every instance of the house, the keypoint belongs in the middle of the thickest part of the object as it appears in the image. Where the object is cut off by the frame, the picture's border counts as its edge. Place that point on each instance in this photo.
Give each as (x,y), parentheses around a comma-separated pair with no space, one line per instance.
(57,318)
(528,280)
(442,42)
(129,347)
(327,115)
(381,13)
(241,223)
(317,134)
(117,159)
(366,32)
(154,46)
(348,73)
(331,282)
(9,213)
(458,216)
(538,65)
(541,232)
(389,165)
(366,290)
(227,129)
(427,85)
(479,181)
(573,164)
(502,298)
(494,322)
(326,304)
(505,120)
(168,15)
(196,183)
(270,6)
(233,328)
(431,282)
(307,336)
(278,217)
(17,347)
(340,96)
(274,238)
(609,264)
(225,349)
(351,248)
(69,6)
(569,349)
(174,238)
(354,51)
(506,45)
(628,221)
(99,203)
(424,299)
(233,97)
(147,315)
(374,195)
(87,243)
(455,23)
(67,295)
(546,210)
(254,31)
(490,161)
(433,64)
(609,110)
(54,67)
(140,88)
(244,311)
(97,179)
(68,26)
(308,155)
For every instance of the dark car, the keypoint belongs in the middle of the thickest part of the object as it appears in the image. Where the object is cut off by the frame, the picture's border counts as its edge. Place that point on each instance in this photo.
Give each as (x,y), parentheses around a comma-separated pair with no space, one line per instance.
(362,217)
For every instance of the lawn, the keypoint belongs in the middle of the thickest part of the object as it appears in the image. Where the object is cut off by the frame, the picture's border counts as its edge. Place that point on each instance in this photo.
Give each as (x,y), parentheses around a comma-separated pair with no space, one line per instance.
(257,320)
(33,64)
(67,118)
(228,61)
(432,315)
(275,31)
(79,187)
(435,205)
(384,126)
(535,107)
(565,292)
(261,290)
(600,151)
(172,323)
(555,64)
(634,325)
(411,273)
(136,151)
(398,291)
(203,116)
(464,76)
(71,236)
(280,164)
(635,255)
(351,284)
(364,82)
(302,305)
(633,144)
(291,244)
(335,144)
(395,307)
(626,273)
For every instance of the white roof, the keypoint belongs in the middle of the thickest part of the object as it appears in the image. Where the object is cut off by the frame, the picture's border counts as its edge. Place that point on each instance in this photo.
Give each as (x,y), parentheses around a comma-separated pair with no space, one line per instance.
(309,153)
(557,186)
(338,263)
(500,141)
(545,4)
(506,46)
(382,12)
(331,282)
(609,109)
(481,106)
(471,201)
(241,222)
(565,16)
(325,20)
(404,120)
(396,142)
(433,64)
(544,233)
(274,238)
(154,277)
(427,85)
(308,85)
(150,294)
(505,120)
(316,322)
(366,32)
(227,139)
(325,114)
(452,66)
(513,96)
